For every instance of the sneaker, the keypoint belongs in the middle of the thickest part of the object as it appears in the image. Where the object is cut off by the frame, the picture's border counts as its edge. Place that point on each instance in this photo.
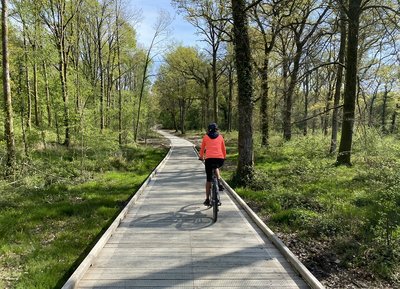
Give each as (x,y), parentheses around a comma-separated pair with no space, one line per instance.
(206,203)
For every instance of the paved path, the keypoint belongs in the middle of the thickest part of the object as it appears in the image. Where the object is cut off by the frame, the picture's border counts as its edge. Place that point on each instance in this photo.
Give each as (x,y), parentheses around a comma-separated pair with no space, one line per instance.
(168,240)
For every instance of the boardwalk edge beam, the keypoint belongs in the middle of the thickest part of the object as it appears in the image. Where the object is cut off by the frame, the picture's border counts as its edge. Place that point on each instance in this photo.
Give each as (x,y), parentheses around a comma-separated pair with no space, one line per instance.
(293,260)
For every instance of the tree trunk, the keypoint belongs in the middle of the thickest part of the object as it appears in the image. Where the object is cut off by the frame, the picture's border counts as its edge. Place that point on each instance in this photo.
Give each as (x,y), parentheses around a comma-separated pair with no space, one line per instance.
(76,66)
(372,105)
(215,85)
(244,172)
(384,108)
(141,94)
(182,115)
(350,92)
(8,123)
(339,80)
(306,101)
(28,83)
(287,121)
(264,100)
(207,104)
(64,88)
(119,75)
(35,87)
(99,51)
(20,92)
(327,105)
(46,84)
(230,100)
(394,117)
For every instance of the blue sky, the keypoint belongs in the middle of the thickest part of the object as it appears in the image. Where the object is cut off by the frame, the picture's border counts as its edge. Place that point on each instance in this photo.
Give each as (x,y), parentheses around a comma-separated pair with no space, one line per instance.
(181,31)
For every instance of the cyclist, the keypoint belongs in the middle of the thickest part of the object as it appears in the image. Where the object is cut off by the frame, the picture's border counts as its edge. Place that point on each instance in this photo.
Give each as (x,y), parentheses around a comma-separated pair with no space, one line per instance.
(215,153)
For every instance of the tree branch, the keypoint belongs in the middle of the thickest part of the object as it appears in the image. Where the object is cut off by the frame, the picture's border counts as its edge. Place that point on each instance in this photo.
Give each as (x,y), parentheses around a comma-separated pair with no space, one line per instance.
(318,114)
(255,3)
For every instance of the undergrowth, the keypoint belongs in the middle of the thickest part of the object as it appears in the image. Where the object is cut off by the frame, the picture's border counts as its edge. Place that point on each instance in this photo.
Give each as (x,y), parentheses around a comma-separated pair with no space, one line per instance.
(297,189)
(60,201)
(353,211)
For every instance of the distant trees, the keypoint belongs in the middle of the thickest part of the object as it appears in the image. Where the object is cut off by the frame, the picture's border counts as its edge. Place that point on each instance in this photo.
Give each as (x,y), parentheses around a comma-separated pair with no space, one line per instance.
(314,65)
(181,81)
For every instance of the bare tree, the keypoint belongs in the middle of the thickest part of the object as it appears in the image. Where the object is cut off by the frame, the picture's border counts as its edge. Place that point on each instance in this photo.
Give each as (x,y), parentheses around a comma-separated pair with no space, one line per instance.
(160,34)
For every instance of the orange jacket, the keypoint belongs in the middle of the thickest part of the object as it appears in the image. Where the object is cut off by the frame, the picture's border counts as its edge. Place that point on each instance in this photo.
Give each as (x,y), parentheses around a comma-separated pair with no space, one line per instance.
(215,148)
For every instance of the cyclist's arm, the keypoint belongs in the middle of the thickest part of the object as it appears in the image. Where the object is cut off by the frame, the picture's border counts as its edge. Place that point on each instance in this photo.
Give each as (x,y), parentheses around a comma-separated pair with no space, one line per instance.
(203,146)
(223,148)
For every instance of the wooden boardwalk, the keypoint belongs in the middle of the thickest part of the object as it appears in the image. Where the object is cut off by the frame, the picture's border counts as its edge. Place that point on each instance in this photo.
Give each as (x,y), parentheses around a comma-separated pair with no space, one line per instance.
(168,240)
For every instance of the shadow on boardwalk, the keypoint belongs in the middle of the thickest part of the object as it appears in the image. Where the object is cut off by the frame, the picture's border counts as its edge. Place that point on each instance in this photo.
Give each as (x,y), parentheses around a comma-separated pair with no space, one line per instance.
(188,218)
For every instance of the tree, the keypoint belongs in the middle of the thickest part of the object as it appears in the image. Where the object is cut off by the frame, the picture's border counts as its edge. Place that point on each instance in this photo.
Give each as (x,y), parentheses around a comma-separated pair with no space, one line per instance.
(354,10)
(8,123)
(302,32)
(58,20)
(179,83)
(267,17)
(118,11)
(160,32)
(244,171)
(100,18)
(210,18)
(339,79)
(192,64)
(353,14)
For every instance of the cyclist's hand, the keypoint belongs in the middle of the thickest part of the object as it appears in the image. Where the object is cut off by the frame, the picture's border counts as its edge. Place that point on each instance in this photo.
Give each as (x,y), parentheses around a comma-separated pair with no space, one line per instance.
(200,159)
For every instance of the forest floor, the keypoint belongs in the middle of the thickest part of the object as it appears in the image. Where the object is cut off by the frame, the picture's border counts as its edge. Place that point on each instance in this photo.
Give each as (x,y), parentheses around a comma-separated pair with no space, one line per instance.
(324,264)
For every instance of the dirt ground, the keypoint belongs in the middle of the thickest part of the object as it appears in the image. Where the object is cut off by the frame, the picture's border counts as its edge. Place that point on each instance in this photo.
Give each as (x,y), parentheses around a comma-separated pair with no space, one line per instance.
(326,266)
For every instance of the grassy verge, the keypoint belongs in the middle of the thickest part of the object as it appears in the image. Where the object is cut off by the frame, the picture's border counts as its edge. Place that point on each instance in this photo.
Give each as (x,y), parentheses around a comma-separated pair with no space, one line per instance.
(60,205)
(337,219)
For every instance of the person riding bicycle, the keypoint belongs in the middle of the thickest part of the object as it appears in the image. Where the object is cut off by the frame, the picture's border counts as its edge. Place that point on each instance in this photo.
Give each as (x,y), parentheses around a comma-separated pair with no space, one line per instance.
(213,145)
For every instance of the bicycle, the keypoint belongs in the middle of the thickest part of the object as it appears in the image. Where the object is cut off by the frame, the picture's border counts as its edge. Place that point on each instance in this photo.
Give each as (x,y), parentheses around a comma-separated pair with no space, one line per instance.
(214,200)
(214,193)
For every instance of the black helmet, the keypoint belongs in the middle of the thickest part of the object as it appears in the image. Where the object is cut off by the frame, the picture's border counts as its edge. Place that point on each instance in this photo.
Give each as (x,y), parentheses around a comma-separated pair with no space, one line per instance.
(212,126)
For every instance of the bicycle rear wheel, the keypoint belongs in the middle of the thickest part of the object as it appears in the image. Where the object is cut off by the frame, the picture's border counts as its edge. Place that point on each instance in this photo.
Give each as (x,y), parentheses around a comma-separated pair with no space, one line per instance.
(214,199)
